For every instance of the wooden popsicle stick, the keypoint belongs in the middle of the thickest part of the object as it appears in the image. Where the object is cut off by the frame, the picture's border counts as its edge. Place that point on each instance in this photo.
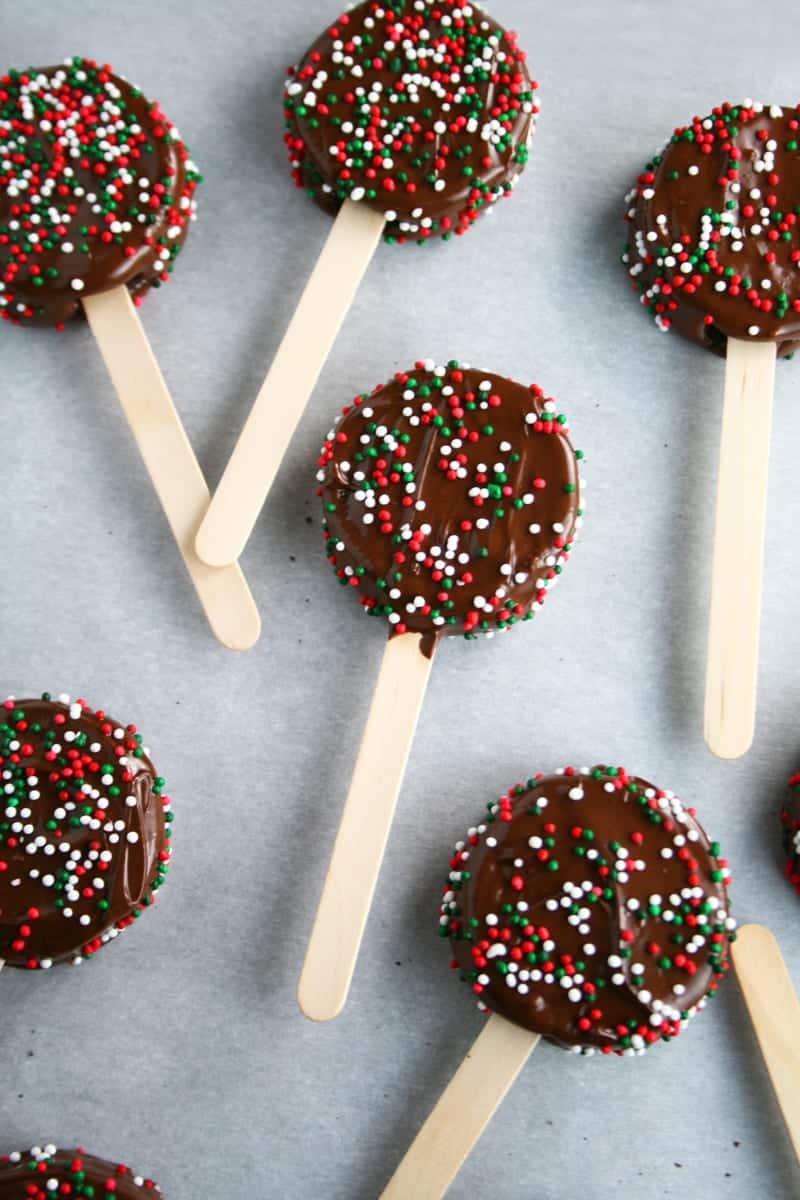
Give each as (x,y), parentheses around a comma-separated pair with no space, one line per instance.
(170,461)
(290,381)
(775,1012)
(364,829)
(735,622)
(471,1099)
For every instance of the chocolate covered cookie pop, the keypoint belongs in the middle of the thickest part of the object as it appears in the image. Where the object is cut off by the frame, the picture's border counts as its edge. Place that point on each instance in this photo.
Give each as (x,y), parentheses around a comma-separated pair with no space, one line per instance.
(96,197)
(451,500)
(790,820)
(587,907)
(96,190)
(714,253)
(714,248)
(591,908)
(84,830)
(422,111)
(46,1172)
(406,121)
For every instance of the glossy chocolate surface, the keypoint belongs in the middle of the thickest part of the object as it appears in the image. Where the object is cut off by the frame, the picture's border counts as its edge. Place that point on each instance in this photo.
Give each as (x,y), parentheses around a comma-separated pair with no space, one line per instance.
(451,500)
(422,112)
(96,190)
(714,245)
(84,831)
(591,908)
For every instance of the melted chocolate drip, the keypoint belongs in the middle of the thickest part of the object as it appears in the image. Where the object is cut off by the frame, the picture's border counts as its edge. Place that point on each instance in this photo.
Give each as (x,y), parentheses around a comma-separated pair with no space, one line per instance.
(591,908)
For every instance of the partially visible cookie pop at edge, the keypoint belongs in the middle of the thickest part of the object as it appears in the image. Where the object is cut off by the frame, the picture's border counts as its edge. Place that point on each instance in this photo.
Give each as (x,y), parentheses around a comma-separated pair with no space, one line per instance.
(714,247)
(590,907)
(96,190)
(451,500)
(423,111)
(47,1171)
(84,830)
(790,820)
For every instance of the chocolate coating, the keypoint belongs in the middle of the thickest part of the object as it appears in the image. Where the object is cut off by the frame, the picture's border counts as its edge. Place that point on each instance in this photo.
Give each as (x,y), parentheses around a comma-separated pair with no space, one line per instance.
(714,249)
(598,878)
(96,191)
(46,1172)
(84,830)
(790,821)
(422,112)
(451,500)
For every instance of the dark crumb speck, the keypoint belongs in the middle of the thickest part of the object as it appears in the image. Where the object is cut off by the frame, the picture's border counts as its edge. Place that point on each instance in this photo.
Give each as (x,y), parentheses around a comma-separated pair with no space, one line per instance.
(678,1164)
(309,520)
(292,558)
(737,1145)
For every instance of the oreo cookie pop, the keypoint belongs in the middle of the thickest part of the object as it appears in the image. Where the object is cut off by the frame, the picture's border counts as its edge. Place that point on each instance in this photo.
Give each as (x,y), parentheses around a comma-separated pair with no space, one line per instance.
(407,121)
(45,1172)
(84,831)
(714,249)
(587,907)
(714,253)
(97,193)
(591,908)
(451,500)
(96,190)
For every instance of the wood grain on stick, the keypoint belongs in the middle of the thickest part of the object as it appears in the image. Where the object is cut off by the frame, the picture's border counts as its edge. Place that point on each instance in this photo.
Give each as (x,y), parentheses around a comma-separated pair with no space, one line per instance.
(170,461)
(467,1106)
(292,378)
(364,829)
(775,1012)
(734,627)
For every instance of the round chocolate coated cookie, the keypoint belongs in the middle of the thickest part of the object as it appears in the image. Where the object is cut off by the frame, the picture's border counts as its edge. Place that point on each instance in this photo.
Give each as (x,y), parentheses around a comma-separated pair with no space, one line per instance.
(790,819)
(451,500)
(84,830)
(591,908)
(46,1172)
(96,190)
(422,109)
(714,245)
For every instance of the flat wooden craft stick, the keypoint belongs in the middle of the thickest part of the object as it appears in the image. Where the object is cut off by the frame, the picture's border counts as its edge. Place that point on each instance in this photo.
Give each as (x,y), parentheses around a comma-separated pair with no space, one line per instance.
(287,388)
(170,461)
(473,1096)
(775,1012)
(364,829)
(734,627)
